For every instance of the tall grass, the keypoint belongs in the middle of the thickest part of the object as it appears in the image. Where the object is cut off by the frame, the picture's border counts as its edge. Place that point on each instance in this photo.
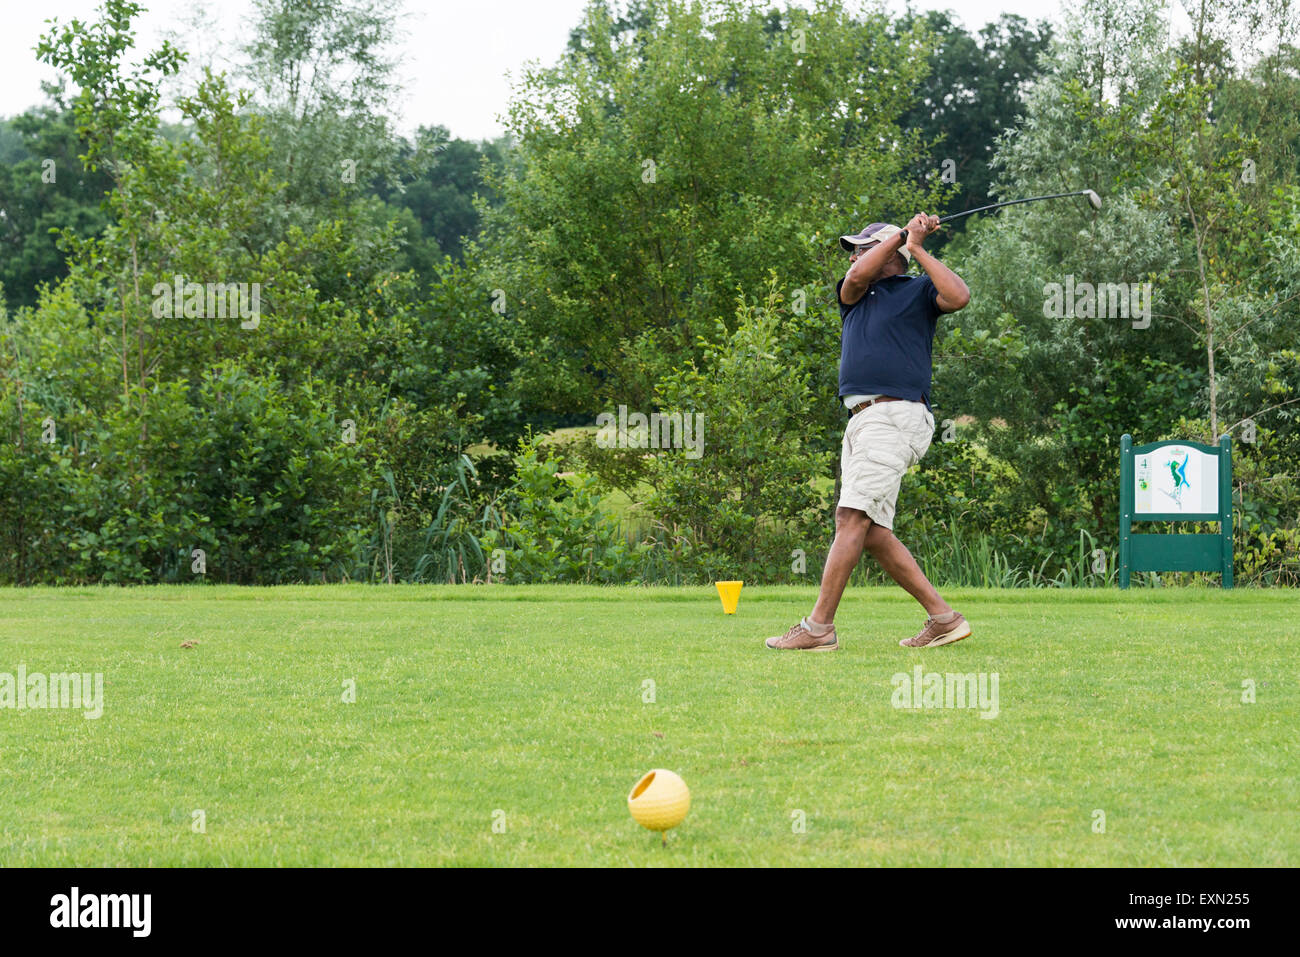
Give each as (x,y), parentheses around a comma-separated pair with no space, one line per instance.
(965,559)
(953,556)
(446,551)
(450,550)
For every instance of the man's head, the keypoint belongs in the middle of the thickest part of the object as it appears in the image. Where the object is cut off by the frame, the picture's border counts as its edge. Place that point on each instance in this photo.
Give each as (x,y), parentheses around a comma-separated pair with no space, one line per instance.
(873,236)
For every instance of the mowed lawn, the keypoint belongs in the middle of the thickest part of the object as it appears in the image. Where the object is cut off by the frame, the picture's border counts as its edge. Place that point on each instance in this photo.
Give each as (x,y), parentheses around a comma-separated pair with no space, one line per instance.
(524,706)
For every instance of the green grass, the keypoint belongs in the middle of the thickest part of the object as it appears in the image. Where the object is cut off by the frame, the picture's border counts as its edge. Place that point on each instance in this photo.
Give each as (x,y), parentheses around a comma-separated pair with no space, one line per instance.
(528,700)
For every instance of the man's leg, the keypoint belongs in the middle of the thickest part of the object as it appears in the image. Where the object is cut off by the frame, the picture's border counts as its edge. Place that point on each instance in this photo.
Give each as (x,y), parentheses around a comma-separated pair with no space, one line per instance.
(851,533)
(898,563)
(943,626)
(854,532)
(816,633)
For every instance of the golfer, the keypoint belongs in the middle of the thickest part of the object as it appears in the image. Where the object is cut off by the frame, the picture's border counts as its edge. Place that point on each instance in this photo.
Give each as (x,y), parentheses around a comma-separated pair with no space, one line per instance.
(888,321)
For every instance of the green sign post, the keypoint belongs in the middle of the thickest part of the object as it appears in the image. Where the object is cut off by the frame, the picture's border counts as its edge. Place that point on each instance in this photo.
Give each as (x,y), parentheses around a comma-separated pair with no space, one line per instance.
(1175,482)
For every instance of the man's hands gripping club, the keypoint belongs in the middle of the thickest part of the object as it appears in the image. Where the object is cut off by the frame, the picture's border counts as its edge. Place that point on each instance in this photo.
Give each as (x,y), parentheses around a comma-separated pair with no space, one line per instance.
(914,232)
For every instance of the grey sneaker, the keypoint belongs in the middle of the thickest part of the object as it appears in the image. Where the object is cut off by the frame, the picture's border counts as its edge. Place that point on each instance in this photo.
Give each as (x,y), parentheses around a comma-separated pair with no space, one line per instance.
(799,638)
(937,633)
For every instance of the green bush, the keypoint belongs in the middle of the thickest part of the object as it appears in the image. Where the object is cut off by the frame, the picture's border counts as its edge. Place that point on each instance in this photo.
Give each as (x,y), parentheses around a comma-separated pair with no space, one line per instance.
(257,478)
(283,494)
(749,500)
(32,479)
(551,527)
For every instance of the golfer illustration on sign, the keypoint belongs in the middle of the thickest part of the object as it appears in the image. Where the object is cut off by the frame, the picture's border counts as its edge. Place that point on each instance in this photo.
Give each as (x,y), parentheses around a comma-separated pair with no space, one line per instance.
(888,323)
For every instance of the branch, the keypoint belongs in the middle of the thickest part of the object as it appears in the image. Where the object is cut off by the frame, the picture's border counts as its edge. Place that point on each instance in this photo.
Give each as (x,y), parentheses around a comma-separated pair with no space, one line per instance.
(1182,322)
(1246,324)
(1254,415)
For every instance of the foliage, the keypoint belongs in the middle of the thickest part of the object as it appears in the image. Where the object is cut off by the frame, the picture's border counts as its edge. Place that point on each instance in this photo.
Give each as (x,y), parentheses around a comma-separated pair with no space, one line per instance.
(1177,215)
(324,75)
(973,92)
(427,302)
(273,444)
(450,550)
(44,189)
(552,527)
(440,188)
(748,497)
(674,157)
(244,472)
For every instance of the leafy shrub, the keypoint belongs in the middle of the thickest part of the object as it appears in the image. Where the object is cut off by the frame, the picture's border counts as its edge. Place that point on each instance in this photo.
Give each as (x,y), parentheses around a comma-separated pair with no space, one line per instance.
(450,550)
(255,477)
(552,529)
(749,500)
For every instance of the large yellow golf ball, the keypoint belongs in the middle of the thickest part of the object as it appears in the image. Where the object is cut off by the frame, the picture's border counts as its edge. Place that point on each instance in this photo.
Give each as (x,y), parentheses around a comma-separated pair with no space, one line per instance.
(660,800)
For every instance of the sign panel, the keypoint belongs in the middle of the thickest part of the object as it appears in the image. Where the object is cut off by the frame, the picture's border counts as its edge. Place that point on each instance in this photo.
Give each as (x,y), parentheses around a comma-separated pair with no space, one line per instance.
(1175,479)
(1175,482)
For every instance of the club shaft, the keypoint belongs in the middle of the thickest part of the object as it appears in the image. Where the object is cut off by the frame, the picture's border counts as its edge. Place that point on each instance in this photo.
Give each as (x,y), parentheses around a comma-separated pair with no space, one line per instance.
(1010,202)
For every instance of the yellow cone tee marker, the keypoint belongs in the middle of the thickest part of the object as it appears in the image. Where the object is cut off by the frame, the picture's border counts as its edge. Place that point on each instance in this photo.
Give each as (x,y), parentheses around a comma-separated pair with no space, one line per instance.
(729,592)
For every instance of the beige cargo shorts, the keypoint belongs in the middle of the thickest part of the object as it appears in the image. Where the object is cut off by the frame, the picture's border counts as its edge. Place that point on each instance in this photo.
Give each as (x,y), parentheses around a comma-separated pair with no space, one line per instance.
(881,443)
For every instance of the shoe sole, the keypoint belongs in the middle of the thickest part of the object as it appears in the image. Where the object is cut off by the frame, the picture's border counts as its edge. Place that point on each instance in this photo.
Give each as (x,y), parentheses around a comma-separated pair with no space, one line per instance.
(951,638)
(831,647)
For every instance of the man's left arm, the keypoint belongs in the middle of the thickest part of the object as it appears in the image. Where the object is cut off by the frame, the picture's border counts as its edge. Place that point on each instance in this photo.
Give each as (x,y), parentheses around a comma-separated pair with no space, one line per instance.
(953,292)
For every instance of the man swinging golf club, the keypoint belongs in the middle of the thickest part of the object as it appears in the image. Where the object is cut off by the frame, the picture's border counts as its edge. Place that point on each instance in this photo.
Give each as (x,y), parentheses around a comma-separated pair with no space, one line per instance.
(888,324)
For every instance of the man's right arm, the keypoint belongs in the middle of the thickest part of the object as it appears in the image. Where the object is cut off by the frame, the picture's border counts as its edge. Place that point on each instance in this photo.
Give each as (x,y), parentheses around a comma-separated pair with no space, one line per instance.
(867,269)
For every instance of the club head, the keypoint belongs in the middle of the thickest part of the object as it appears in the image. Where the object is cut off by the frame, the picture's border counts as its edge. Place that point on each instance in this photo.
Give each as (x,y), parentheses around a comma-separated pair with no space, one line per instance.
(1093,198)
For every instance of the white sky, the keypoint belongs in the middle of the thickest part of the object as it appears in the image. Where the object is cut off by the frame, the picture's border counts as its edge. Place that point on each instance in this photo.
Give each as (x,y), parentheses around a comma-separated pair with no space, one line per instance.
(457,54)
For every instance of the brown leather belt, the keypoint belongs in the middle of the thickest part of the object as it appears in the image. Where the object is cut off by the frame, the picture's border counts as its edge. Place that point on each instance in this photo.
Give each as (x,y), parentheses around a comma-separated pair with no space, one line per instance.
(870,402)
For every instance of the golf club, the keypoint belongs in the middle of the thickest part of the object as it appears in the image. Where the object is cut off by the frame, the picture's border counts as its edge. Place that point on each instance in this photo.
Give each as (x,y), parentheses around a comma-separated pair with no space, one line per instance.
(1093,198)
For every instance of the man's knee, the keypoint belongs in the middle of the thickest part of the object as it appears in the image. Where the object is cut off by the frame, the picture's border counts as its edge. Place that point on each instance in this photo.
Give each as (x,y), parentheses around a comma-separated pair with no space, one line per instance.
(877,536)
(851,521)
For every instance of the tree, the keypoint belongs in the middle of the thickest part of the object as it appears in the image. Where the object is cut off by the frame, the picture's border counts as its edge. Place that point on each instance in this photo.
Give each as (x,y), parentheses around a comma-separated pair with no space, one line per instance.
(324,78)
(1120,108)
(1206,182)
(117,111)
(747,495)
(670,160)
(438,202)
(973,93)
(44,188)
(180,426)
(1010,360)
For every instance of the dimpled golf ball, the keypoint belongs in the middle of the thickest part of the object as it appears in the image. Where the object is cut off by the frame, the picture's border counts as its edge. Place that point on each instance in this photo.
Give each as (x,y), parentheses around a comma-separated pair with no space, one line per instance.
(660,800)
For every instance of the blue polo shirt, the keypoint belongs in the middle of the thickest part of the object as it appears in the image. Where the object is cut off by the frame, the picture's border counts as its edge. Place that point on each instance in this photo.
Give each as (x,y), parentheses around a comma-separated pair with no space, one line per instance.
(887,338)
